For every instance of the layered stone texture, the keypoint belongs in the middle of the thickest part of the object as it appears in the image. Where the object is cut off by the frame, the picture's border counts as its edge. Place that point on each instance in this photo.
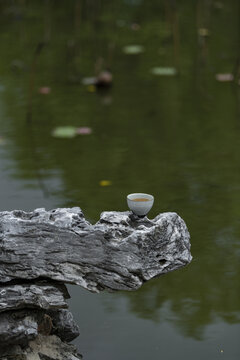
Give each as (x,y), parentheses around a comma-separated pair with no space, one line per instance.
(42,250)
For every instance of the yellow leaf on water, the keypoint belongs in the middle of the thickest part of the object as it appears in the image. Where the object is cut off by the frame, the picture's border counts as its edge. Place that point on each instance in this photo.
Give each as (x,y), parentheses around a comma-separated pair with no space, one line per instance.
(203,32)
(91,88)
(105,183)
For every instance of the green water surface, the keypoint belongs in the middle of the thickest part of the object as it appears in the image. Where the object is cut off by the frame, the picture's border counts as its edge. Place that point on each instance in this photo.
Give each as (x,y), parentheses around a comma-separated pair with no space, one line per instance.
(176,137)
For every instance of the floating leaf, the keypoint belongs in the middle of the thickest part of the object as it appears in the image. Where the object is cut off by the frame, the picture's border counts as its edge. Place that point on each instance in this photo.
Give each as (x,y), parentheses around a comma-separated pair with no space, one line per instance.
(133,49)
(64,132)
(135,27)
(224,77)
(89,81)
(203,32)
(164,71)
(45,90)
(105,183)
(91,88)
(83,130)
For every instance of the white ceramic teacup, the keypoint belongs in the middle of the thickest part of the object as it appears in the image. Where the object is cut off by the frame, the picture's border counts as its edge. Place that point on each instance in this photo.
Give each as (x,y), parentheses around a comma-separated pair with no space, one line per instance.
(140,203)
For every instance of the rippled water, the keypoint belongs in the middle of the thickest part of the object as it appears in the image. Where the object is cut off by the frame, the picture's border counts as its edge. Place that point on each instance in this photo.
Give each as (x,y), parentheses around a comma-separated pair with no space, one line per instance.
(175,137)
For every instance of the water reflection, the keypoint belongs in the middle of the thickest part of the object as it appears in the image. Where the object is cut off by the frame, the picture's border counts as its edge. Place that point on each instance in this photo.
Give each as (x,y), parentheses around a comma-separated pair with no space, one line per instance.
(195,297)
(175,137)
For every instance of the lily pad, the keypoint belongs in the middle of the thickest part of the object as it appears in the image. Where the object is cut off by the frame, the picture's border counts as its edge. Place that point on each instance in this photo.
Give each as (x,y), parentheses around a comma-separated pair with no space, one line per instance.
(64,132)
(224,77)
(89,81)
(133,49)
(203,32)
(164,71)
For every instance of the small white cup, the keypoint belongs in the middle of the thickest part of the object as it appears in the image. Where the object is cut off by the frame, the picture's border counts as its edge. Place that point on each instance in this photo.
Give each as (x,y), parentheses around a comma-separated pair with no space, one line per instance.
(140,208)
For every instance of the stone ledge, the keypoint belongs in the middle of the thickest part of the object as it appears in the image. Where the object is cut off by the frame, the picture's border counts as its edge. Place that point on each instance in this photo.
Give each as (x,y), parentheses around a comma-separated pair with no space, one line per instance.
(117,253)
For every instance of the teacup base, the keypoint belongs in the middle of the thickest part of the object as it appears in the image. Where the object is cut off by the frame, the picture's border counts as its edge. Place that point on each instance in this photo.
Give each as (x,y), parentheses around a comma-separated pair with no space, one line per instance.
(135,217)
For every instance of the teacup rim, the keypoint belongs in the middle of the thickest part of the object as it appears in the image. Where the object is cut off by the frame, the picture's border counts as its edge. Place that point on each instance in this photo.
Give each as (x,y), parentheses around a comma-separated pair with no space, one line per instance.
(148,196)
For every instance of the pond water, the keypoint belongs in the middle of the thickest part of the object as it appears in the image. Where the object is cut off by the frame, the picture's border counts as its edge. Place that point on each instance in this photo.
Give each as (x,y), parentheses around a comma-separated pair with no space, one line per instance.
(174,136)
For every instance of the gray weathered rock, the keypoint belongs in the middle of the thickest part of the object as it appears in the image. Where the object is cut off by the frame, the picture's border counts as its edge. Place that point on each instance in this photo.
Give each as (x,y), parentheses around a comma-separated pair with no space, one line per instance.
(40,295)
(64,325)
(117,253)
(27,310)
(42,348)
(20,327)
(41,249)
